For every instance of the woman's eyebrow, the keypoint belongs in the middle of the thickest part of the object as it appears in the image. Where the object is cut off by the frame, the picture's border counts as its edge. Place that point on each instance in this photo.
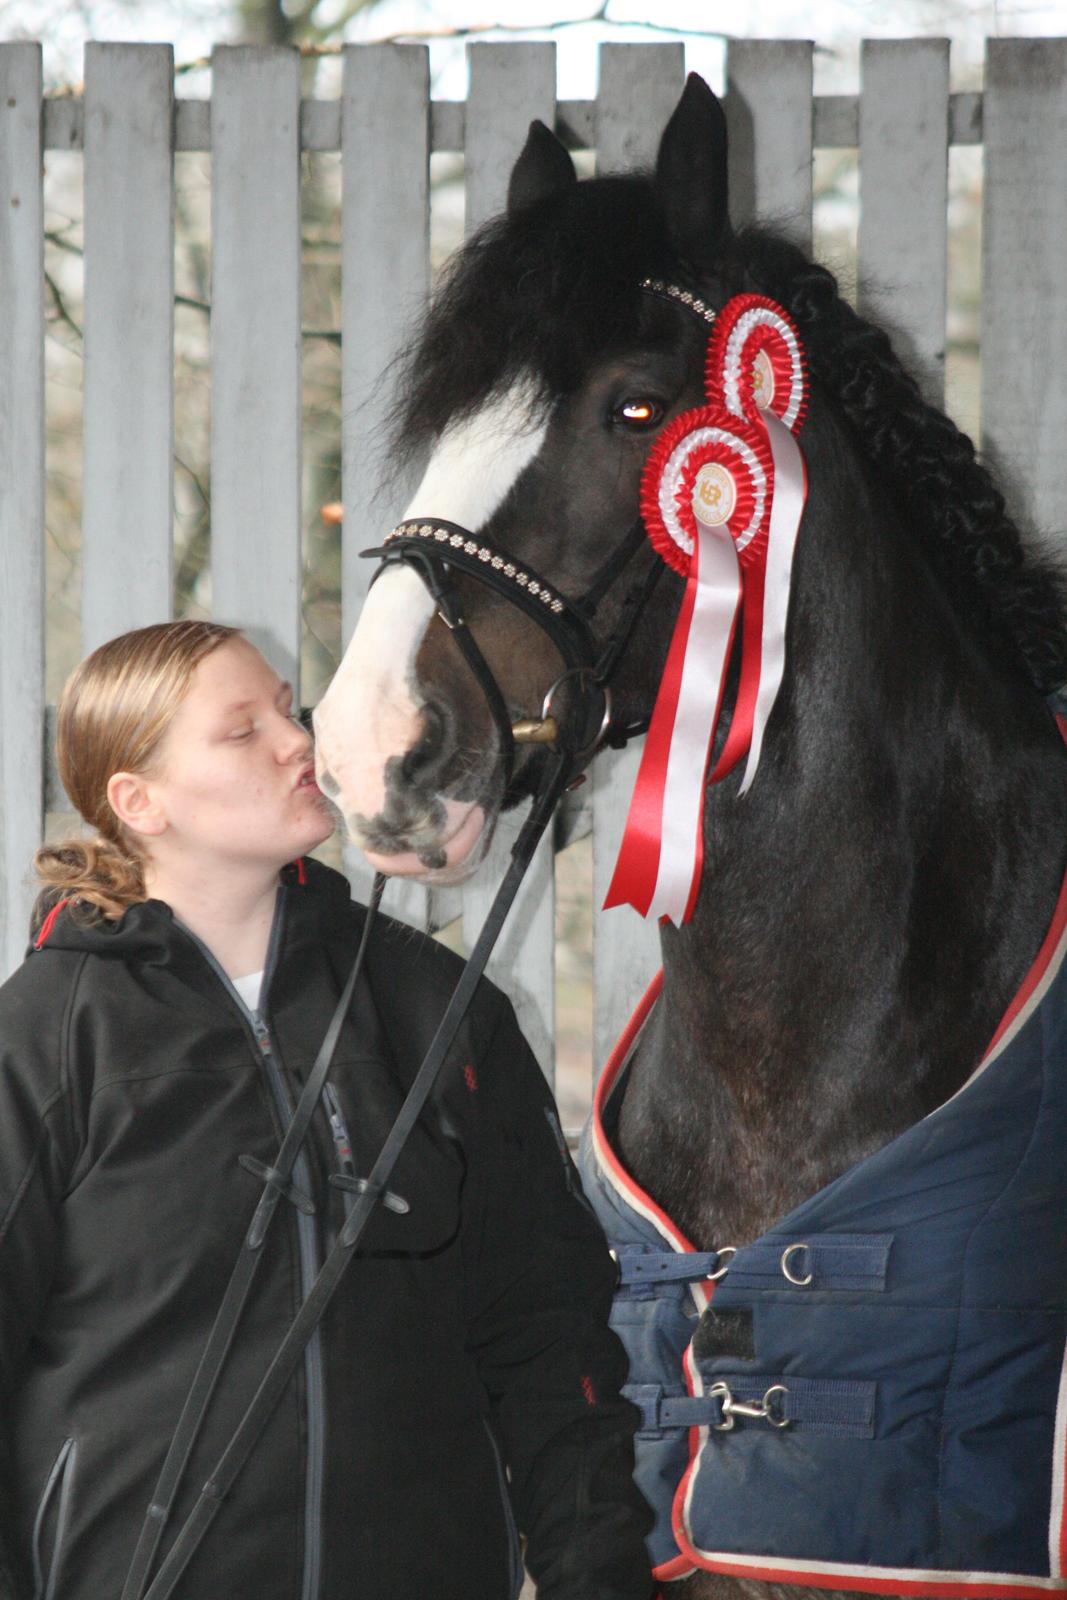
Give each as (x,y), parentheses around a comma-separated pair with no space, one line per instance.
(243,705)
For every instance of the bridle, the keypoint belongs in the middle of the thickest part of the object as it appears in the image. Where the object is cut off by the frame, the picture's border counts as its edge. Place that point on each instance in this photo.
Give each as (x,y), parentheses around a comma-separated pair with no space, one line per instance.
(434,549)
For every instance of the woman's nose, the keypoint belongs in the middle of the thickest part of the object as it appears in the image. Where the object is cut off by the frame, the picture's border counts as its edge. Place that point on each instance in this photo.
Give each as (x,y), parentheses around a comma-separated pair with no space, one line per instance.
(296,741)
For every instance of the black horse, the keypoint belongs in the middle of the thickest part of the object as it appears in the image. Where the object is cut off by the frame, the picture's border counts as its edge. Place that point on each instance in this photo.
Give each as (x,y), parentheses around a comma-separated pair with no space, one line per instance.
(869,908)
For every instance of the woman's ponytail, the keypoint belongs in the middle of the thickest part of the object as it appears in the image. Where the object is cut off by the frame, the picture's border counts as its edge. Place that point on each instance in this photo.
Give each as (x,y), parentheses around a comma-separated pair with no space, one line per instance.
(101,878)
(114,710)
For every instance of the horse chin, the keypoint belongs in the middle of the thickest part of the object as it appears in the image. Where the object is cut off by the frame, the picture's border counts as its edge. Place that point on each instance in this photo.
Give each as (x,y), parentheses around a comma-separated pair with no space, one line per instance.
(446,861)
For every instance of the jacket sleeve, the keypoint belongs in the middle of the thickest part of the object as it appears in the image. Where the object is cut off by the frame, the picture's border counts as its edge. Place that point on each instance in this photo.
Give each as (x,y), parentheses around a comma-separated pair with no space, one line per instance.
(32,1161)
(540,1292)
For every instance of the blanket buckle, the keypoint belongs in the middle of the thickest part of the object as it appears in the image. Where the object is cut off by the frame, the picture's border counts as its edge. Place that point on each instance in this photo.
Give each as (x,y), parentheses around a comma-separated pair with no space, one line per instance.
(763,1410)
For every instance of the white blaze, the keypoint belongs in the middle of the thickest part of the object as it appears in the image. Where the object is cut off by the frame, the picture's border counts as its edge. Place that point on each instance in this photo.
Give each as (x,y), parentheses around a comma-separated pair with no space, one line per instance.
(478,458)
(370,712)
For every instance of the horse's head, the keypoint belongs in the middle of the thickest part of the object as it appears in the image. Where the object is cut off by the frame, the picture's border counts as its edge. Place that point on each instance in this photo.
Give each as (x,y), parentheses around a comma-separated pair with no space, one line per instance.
(539,383)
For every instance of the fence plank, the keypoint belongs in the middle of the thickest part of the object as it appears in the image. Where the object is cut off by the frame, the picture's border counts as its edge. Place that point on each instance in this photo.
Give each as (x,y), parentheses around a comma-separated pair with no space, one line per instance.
(903,232)
(255,325)
(22,500)
(510,85)
(1024,293)
(385,239)
(129,338)
(639,87)
(769,112)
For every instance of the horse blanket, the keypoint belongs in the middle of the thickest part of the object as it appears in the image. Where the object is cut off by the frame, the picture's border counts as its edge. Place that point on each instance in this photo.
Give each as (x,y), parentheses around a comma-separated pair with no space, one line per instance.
(903,1423)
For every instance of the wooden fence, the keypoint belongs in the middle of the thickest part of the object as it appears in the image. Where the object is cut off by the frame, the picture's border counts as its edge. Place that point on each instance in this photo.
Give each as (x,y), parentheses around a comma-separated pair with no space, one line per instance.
(129,125)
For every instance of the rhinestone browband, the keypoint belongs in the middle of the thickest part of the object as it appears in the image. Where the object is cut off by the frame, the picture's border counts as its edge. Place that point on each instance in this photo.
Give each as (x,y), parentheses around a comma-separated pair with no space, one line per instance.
(492,558)
(684,297)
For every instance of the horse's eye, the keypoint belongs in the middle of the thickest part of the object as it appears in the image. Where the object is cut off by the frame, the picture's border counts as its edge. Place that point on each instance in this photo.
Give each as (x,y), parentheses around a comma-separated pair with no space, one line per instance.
(638,414)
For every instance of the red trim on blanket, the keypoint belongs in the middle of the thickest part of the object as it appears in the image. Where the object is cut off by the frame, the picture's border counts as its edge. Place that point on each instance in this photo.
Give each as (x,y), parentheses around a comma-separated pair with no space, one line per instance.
(985,1587)
(1037,971)
(624,1181)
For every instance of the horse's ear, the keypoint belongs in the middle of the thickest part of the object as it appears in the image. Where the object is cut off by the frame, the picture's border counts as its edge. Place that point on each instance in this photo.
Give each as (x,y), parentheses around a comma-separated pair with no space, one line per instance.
(691,175)
(543,168)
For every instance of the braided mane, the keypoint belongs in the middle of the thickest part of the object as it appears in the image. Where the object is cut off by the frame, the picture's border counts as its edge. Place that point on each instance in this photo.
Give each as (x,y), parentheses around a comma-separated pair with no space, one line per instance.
(1012,596)
(550,290)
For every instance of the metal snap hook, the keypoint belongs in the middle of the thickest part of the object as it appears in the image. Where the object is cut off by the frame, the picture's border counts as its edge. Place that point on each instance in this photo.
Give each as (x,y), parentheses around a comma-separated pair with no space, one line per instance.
(727,1422)
(757,1410)
(776,1421)
(801,1283)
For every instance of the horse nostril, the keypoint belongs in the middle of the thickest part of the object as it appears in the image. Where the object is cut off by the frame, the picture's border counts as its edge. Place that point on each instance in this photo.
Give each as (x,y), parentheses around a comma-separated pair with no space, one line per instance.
(419,765)
(328,784)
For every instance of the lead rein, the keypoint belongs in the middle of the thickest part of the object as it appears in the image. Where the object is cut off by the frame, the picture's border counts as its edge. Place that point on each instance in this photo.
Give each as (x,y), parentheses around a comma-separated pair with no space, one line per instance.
(280,1370)
(277,1181)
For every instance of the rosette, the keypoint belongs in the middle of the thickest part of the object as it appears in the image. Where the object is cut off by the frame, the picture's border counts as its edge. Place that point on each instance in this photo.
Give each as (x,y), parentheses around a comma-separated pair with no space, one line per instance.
(722,496)
(755,362)
(706,496)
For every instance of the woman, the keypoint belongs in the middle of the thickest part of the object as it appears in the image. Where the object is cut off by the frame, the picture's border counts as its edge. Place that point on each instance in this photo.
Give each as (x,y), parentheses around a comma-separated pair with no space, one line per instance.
(152,1046)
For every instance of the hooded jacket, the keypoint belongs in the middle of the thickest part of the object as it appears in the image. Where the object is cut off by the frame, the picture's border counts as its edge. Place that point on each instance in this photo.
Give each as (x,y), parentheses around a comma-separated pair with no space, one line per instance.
(467,1344)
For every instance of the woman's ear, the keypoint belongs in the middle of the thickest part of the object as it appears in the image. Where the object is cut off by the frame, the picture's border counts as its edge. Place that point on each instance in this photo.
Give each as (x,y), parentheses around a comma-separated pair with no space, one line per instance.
(131,799)
(691,176)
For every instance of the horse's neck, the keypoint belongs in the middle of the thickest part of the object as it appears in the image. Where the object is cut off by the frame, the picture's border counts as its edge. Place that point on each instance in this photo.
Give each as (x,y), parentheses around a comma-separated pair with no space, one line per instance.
(867,911)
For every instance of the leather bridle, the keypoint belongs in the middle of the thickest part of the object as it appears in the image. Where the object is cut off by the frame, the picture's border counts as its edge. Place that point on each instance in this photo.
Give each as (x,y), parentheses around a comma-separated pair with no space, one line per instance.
(435,549)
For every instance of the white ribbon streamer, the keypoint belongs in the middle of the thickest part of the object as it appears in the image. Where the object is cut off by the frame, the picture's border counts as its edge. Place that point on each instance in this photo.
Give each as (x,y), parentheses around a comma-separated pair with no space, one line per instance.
(787,506)
(718,580)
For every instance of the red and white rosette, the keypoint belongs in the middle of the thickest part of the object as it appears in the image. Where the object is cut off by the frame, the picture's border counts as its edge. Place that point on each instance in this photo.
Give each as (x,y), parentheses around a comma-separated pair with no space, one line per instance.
(722,496)
(755,362)
(706,495)
(755,366)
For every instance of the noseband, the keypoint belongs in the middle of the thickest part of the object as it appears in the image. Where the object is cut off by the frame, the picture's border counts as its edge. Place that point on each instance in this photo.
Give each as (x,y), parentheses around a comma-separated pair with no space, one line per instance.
(435,548)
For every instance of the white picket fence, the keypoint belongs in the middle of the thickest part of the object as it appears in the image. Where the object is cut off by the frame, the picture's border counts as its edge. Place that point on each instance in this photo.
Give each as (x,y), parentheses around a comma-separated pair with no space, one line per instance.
(129,125)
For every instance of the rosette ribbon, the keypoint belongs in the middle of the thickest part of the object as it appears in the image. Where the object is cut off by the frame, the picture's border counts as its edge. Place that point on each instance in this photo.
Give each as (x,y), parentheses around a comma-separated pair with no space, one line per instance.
(722,496)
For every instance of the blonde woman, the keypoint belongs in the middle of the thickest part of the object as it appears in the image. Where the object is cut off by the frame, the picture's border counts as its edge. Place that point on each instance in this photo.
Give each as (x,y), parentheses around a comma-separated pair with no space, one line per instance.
(187,958)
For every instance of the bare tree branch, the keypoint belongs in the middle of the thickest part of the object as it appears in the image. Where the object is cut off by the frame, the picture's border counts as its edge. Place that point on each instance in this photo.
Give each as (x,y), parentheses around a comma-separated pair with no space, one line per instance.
(61,306)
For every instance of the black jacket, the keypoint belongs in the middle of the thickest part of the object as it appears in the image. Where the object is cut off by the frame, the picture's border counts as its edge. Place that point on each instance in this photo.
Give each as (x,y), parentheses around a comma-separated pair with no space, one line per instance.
(469,1332)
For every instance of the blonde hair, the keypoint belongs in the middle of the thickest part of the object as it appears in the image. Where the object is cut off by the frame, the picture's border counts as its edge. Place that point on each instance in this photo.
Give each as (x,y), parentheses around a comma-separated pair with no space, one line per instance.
(114,710)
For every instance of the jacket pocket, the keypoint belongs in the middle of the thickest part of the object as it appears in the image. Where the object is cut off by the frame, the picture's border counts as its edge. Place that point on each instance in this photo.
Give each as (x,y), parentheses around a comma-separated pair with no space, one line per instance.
(56,1493)
(516,1571)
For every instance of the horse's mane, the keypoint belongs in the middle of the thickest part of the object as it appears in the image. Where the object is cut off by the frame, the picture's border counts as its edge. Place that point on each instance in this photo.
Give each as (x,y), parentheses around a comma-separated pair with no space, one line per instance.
(1007,591)
(553,289)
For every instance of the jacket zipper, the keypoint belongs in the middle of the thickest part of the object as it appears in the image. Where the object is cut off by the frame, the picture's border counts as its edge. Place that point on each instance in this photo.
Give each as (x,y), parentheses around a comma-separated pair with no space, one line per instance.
(62,1474)
(308,1253)
(516,1571)
(342,1142)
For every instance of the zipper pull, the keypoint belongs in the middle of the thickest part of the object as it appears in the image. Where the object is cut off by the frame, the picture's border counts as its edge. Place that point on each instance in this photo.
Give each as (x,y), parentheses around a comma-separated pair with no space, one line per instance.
(259,1028)
(337,1127)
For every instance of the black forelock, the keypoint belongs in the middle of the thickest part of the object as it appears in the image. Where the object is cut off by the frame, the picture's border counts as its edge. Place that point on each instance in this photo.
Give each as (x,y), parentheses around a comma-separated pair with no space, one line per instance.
(545,292)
